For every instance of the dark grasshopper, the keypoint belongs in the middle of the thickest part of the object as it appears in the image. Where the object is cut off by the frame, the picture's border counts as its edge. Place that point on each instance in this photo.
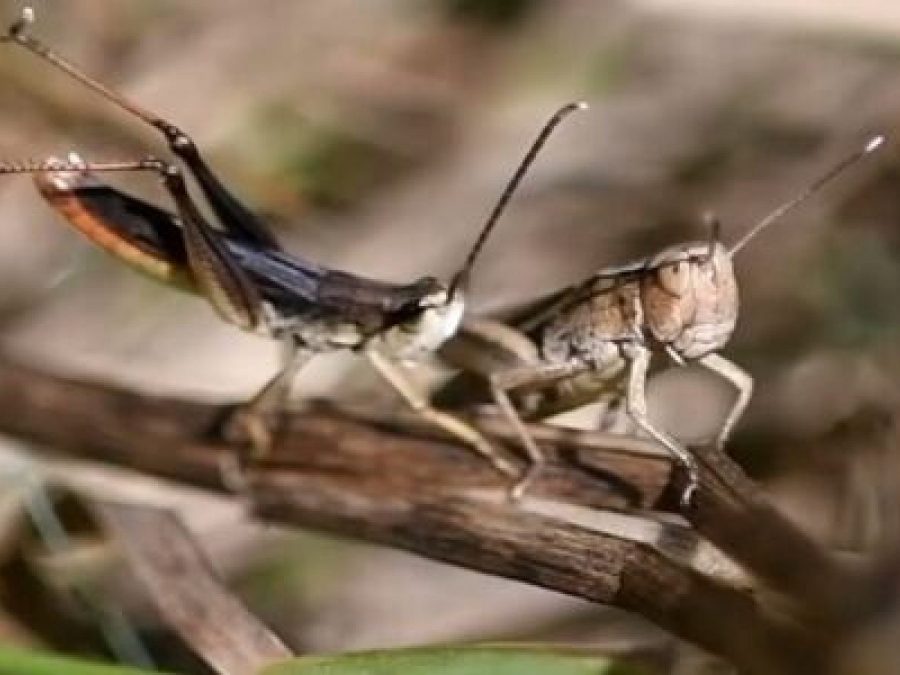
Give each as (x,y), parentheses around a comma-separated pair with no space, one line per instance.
(249,279)
(594,340)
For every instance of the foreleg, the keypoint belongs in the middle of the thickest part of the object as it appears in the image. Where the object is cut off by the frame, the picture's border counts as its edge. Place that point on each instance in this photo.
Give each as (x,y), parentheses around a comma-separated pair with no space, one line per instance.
(636,405)
(742,381)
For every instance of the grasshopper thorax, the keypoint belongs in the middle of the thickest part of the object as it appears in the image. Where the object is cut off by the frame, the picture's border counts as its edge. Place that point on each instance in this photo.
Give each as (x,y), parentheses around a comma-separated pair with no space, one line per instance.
(690,298)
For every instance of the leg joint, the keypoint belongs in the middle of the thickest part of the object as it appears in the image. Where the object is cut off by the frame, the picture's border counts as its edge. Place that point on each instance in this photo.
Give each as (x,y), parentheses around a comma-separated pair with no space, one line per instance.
(180,143)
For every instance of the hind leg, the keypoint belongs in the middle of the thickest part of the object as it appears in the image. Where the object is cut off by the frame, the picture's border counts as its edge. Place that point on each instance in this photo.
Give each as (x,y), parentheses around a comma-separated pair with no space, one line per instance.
(537,376)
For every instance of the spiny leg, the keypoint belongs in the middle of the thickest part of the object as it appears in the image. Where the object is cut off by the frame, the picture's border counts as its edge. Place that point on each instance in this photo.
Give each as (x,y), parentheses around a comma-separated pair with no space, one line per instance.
(419,403)
(742,381)
(478,348)
(534,375)
(234,216)
(227,287)
(482,346)
(636,405)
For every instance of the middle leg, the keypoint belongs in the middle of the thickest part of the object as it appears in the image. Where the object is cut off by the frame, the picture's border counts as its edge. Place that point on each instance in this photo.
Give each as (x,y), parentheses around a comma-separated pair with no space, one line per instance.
(532,375)
(391,372)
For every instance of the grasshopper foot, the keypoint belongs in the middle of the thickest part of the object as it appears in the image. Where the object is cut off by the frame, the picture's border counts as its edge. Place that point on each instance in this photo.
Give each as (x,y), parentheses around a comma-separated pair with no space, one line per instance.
(253,433)
(687,495)
(232,473)
(500,463)
(252,430)
(525,481)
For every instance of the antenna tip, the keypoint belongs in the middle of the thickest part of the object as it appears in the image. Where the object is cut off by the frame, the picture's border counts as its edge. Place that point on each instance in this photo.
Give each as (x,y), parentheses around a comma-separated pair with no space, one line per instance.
(568,109)
(874,144)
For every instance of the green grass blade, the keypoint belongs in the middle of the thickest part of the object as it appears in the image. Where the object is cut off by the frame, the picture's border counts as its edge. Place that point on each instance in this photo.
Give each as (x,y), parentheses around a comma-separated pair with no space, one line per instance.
(455,661)
(23,662)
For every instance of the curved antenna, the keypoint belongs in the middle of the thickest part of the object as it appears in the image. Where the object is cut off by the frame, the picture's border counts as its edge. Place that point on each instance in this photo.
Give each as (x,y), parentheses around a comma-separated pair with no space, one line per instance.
(813,188)
(462,276)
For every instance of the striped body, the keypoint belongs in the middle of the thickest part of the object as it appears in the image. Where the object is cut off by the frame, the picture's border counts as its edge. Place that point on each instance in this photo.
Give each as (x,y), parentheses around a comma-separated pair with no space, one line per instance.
(682,299)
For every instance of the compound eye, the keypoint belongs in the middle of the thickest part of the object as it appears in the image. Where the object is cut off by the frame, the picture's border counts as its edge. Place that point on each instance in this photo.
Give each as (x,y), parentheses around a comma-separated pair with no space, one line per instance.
(674,277)
(436,299)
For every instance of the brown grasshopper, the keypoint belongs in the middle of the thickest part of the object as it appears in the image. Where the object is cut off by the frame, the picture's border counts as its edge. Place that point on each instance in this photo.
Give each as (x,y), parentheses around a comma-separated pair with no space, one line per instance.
(242,271)
(595,340)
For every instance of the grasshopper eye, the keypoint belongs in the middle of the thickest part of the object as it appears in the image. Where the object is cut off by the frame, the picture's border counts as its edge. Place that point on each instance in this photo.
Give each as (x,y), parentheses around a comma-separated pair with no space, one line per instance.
(674,277)
(436,299)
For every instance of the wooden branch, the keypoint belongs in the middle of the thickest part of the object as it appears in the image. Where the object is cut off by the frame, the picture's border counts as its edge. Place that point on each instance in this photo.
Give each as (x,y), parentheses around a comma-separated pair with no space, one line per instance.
(489,535)
(177,438)
(180,582)
(340,474)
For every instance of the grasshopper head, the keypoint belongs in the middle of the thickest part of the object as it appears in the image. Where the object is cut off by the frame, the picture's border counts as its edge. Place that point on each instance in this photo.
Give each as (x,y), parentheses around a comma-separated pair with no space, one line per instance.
(689,292)
(433,320)
(690,297)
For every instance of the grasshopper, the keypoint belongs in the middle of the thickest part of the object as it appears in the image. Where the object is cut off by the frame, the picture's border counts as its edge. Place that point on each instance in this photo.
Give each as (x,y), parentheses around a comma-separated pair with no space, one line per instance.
(250,281)
(594,340)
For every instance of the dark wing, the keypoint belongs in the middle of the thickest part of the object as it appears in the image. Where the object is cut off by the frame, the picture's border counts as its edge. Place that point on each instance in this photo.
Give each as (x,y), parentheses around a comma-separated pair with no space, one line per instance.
(359,295)
(531,315)
(528,314)
(293,284)
(290,283)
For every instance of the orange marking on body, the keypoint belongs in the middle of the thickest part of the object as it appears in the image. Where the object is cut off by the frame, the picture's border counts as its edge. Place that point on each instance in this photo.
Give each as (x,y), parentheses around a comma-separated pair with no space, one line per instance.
(103,234)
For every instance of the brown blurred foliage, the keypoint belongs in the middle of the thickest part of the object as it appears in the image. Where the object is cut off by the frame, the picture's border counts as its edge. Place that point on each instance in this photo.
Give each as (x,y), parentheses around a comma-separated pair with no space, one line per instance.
(376,137)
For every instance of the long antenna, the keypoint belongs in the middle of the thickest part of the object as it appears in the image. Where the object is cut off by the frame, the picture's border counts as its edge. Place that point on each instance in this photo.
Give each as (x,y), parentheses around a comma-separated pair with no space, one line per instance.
(462,276)
(813,188)
(18,34)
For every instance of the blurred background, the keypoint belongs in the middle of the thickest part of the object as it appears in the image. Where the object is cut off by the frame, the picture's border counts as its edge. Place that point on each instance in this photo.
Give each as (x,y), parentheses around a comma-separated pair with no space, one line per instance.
(376,137)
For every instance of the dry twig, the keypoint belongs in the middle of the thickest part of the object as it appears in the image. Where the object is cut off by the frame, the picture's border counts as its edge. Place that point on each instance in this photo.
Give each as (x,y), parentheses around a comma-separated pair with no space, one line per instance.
(182,585)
